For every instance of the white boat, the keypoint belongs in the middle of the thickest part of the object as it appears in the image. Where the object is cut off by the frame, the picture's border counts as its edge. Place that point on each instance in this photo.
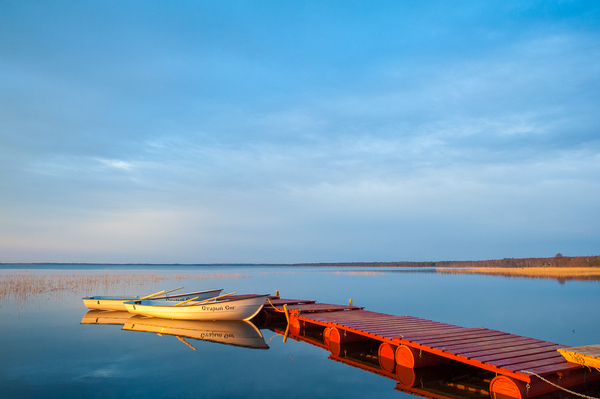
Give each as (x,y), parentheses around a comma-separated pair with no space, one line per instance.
(230,332)
(241,307)
(116,302)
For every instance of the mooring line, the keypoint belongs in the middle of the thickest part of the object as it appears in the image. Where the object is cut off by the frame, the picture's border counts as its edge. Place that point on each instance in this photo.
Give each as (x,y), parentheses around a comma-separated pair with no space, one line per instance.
(557,386)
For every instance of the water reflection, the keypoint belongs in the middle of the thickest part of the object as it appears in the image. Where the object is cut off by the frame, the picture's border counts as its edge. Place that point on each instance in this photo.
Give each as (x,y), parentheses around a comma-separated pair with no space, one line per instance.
(48,354)
(105,317)
(231,332)
(443,381)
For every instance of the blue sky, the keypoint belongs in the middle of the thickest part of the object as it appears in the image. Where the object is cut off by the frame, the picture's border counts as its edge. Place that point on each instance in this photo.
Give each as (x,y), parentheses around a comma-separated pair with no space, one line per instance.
(289,131)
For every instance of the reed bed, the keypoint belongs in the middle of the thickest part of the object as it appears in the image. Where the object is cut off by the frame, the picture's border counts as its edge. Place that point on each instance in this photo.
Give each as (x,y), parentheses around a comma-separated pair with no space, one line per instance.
(559,273)
(25,285)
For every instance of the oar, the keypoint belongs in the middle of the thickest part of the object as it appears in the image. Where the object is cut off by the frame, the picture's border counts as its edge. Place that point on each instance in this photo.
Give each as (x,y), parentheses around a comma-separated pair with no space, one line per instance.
(175,289)
(181,303)
(151,295)
(210,299)
(185,342)
(160,292)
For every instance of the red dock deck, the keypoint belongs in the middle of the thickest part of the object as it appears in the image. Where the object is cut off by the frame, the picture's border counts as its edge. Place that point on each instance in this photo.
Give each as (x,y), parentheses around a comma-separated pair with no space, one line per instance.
(414,342)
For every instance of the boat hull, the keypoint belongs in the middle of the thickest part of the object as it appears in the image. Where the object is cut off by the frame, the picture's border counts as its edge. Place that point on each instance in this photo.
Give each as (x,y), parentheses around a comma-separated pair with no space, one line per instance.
(116,302)
(106,317)
(236,309)
(230,332)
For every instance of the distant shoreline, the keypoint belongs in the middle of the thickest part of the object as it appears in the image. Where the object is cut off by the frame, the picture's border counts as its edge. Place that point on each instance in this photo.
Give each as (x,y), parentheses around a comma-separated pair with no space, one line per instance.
(557,261)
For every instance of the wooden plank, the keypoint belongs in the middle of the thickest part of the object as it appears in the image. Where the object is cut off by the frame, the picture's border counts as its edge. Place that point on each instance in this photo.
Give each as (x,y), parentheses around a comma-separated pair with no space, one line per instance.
(527,358)
(423,329)
(519,346)
(416,331)
(512,354)
(280,302)
(368,316)
(401,330)
(404,324)
(468,341)
(488,344)
(318,307)
(460,330)
(380,321)
(554,368)
(437,341)
(534,364)
(354,314)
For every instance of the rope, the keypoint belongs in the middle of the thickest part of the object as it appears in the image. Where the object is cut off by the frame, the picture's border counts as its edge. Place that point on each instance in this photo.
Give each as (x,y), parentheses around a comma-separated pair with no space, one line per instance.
(277,310)
(273,337)
(557,386)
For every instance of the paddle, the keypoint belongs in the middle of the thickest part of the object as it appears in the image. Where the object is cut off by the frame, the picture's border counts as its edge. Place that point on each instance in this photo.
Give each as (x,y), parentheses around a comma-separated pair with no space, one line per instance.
(151,295)
(160,292)
(211,299)
(175,289)
(181,303)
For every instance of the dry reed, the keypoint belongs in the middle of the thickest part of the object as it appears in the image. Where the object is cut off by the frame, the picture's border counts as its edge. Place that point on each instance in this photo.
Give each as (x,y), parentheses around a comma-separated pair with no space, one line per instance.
(24,285)
(560,273)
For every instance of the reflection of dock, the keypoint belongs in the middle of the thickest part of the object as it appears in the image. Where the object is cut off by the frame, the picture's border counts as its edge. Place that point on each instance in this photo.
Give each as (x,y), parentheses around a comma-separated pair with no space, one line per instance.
(520,364)
(446,381)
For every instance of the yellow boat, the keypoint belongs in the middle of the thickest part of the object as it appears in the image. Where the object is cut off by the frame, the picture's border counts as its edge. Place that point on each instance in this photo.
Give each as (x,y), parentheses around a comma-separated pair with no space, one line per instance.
(588,356)
(116,302)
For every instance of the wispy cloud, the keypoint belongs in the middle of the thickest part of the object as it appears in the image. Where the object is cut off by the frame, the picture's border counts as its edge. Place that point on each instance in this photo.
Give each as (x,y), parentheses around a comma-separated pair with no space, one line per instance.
(376,133)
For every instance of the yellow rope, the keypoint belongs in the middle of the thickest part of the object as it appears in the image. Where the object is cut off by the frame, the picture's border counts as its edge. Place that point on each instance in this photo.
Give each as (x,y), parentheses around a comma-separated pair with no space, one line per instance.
(277,310)
(557,386)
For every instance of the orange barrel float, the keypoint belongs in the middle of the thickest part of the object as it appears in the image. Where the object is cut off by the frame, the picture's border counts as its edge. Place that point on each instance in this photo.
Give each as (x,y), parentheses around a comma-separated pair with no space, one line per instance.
(408,377)
(387,357)
(326,334)
(301,327)
(347,344)
(295,326)
(352,350)
(342,336)
(415,358)
(504,387)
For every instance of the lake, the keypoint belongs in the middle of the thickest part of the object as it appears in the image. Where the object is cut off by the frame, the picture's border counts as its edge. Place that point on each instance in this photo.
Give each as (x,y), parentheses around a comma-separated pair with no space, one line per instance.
(47,352)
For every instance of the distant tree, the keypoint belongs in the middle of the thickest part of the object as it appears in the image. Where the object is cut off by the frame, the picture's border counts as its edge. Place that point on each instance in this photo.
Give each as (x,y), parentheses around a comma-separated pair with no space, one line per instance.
(558,255)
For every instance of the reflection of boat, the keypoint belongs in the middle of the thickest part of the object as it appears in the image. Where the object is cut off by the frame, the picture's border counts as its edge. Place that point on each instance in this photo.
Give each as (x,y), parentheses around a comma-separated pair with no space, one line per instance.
(240,307)
(105,317)
(116,302)
(232,332)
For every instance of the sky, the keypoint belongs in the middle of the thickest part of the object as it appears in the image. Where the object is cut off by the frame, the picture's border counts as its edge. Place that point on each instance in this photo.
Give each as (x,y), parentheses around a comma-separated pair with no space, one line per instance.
(298,131)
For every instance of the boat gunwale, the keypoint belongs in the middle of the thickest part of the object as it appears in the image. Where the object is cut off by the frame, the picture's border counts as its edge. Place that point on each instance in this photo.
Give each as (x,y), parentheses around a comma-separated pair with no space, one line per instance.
(136,297)
(167,304)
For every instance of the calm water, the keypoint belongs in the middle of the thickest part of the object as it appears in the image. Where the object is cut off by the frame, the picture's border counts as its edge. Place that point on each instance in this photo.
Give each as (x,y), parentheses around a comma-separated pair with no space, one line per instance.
(47,352)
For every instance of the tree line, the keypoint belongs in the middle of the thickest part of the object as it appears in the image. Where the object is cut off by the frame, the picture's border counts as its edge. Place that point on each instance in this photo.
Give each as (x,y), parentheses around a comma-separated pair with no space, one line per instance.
(556,261)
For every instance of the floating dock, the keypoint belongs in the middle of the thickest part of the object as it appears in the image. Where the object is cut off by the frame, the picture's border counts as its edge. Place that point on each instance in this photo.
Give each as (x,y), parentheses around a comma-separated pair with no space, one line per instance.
(523,367)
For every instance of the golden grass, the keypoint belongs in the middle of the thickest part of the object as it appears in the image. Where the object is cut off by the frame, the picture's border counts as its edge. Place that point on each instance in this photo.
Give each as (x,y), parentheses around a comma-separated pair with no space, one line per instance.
(23,285)
(561,273)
